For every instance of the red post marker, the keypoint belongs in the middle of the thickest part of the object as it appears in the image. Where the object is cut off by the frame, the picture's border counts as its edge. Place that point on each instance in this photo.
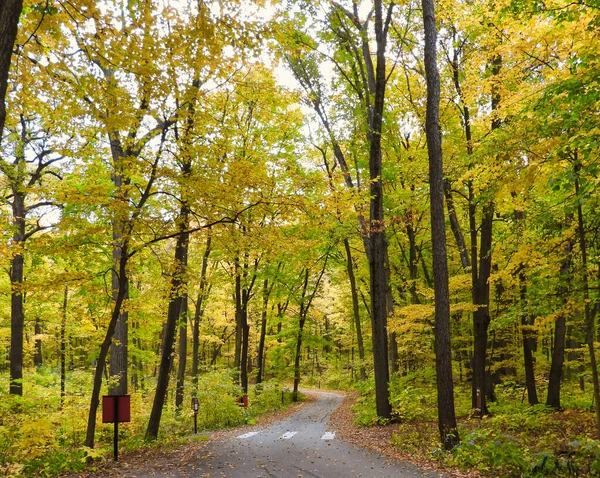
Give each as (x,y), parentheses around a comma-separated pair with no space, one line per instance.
(115,409)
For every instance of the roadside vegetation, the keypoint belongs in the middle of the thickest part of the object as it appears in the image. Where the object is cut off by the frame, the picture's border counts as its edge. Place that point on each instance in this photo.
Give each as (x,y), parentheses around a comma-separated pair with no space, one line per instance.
(214,198)
(39,437)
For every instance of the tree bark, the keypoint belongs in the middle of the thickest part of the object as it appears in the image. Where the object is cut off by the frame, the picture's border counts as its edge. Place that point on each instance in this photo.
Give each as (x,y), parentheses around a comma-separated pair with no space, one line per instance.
(119,356)
(200,304)
(173,315)
(560,329)
(527,323)
(17,312)
(588,313)
(443,359)
(305,303)
(63,347)
(10,11)
(263,332)
(355,310)
(455,227)
(378,280)
(104,348)
(182,349)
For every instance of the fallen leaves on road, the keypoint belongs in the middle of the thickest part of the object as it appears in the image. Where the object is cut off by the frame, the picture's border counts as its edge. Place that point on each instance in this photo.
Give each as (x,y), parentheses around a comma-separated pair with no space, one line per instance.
(377,438)
(179,460)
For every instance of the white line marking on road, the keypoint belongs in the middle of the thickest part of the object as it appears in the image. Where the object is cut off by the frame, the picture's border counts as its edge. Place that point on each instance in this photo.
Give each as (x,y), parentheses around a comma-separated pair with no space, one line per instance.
(287,435)
(328,436)
(247,435)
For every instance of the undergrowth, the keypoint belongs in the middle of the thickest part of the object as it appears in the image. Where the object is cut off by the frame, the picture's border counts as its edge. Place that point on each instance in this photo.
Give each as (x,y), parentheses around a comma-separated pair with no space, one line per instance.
(515,440)
(39,437)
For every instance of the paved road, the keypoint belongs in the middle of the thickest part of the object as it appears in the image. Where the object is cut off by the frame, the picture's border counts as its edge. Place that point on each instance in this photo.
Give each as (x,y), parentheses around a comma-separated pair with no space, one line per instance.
(302,446)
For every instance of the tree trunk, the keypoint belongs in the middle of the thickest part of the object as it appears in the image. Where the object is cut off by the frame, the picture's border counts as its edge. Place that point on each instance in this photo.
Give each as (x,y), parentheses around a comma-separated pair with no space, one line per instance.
(355,310)
(63,347)
(302,319)
(10,11)
(455,227)
(38,359)
(104,348)
(17,313)
(377,243)
(589,315)
(560,329)
(263,333)
(200,304)
(173,315)
(481,317)
(443,359)
(238,315)
(120,341)
(528,338)
(182,350)
(244,352)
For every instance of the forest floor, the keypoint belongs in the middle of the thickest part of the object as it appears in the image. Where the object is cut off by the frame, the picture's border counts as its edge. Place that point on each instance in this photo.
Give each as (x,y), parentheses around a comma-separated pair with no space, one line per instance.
(378,438)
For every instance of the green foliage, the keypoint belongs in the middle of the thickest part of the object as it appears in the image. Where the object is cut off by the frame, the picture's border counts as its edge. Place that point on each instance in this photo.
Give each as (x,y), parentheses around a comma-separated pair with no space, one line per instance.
(39,438)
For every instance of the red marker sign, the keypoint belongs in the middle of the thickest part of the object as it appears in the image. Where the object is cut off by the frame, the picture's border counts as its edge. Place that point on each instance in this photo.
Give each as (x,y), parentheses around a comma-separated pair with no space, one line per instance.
(121,403)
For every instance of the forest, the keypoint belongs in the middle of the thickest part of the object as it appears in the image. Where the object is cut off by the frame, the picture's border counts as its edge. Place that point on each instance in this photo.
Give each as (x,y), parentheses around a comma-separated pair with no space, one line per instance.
(229,198)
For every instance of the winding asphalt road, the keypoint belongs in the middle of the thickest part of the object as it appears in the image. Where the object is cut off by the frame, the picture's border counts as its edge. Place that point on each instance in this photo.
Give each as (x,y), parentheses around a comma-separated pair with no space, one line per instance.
(301,446)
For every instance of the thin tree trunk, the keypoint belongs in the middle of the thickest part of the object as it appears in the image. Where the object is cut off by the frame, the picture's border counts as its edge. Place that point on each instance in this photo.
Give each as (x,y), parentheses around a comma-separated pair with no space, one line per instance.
(238,315)
(38,359)
(182,350)
(173,315)
(455,227)
(560,329)
(263,333)
(355,310)
(63,347)
(527,323)
(589,316)
(104,348)
(443,358)
(17,313)
(305,303)
(200,304)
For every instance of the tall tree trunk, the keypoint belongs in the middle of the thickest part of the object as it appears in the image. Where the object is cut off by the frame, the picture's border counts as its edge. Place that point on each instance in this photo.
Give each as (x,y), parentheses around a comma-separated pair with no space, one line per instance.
(17,313)
(305,303)
(119,347)
(455,226)
(173,315)
(10,11)
(528,338)
(244,352)
(589,315)
(104,348)
(63,347)
(183,313)
(263,333)
(481,316)
(355,309)
(182,350)
(443,358)
(377,269)
(238,315)
(200,304)
(560,328)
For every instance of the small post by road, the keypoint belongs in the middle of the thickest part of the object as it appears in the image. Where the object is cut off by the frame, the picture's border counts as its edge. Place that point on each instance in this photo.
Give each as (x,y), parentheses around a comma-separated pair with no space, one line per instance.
(195,407)
(115,409)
